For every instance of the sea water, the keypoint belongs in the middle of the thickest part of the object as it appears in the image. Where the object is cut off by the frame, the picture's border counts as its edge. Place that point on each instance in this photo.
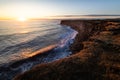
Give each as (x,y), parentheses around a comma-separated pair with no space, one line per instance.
(20,40)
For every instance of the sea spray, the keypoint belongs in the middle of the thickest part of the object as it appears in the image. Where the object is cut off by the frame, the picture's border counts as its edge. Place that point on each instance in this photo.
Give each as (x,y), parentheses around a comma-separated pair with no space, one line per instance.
(60,50)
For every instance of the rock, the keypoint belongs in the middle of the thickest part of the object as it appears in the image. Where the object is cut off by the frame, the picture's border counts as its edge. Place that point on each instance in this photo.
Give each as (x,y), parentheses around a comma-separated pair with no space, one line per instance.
(97,54)
(112,26)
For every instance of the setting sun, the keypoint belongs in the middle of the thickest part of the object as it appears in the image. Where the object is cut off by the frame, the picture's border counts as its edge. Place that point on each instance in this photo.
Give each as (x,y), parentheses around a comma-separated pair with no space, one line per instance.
(22,19)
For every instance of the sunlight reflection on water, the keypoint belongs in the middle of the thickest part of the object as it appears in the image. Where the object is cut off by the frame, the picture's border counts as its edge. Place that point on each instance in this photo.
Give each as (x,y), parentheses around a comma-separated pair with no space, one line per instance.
(19,41)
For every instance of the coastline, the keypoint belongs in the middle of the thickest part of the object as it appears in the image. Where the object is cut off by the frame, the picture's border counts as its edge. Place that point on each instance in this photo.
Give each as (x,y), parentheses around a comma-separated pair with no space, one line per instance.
(95,54)
(46,54)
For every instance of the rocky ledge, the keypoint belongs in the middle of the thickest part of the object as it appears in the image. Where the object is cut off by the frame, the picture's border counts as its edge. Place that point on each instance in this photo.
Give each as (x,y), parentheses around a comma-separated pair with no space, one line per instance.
(96,54)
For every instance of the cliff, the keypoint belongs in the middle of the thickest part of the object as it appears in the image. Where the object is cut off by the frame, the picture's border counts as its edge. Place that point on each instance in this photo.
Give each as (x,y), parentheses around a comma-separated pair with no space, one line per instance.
(96,54)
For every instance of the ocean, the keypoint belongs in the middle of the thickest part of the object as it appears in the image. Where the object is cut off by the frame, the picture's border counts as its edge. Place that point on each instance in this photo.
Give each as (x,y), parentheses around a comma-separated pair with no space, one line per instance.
(26,44)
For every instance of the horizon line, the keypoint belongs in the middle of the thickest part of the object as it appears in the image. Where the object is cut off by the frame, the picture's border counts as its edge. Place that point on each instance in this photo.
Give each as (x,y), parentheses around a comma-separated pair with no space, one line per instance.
(67,16)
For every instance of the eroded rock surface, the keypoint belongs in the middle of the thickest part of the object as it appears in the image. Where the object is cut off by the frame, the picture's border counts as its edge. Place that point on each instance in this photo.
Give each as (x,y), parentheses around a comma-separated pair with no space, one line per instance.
(97,54)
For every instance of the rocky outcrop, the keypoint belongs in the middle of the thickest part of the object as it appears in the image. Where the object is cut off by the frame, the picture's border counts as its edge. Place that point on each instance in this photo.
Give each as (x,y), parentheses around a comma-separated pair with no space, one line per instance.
(97,54)
(86,28)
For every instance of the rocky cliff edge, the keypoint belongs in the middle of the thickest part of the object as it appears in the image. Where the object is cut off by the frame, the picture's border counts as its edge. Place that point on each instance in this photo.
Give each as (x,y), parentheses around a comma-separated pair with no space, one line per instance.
(96,54)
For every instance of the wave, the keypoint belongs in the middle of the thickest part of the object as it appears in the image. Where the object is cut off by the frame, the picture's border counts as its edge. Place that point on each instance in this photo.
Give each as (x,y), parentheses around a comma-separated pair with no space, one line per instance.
(55,50)
(40,51)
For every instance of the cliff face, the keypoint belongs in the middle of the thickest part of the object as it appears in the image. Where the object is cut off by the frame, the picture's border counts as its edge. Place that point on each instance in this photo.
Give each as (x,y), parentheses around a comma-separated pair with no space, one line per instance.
(86,28)
(97,54)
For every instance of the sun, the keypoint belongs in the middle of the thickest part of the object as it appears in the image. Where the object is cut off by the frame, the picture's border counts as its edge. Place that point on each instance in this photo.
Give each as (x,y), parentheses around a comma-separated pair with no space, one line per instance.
(22,19)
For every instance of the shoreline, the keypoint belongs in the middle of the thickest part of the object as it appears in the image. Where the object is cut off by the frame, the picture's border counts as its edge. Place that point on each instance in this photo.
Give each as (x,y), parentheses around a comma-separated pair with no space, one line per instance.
(44,55)
(88,29)
(95,46)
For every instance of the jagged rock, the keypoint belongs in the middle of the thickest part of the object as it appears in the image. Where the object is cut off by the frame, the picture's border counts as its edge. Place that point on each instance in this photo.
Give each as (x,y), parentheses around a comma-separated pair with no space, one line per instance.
(98,54)
(111,26)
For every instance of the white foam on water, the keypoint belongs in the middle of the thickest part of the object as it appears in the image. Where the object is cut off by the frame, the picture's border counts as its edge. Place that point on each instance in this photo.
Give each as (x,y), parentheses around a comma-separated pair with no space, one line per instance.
(63,36)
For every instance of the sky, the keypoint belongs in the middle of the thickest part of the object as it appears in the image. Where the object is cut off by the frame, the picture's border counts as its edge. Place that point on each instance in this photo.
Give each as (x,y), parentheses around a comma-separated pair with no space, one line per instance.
(42,8)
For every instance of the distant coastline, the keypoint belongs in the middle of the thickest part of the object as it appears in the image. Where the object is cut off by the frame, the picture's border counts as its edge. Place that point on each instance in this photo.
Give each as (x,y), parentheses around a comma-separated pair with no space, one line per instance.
(59,17)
